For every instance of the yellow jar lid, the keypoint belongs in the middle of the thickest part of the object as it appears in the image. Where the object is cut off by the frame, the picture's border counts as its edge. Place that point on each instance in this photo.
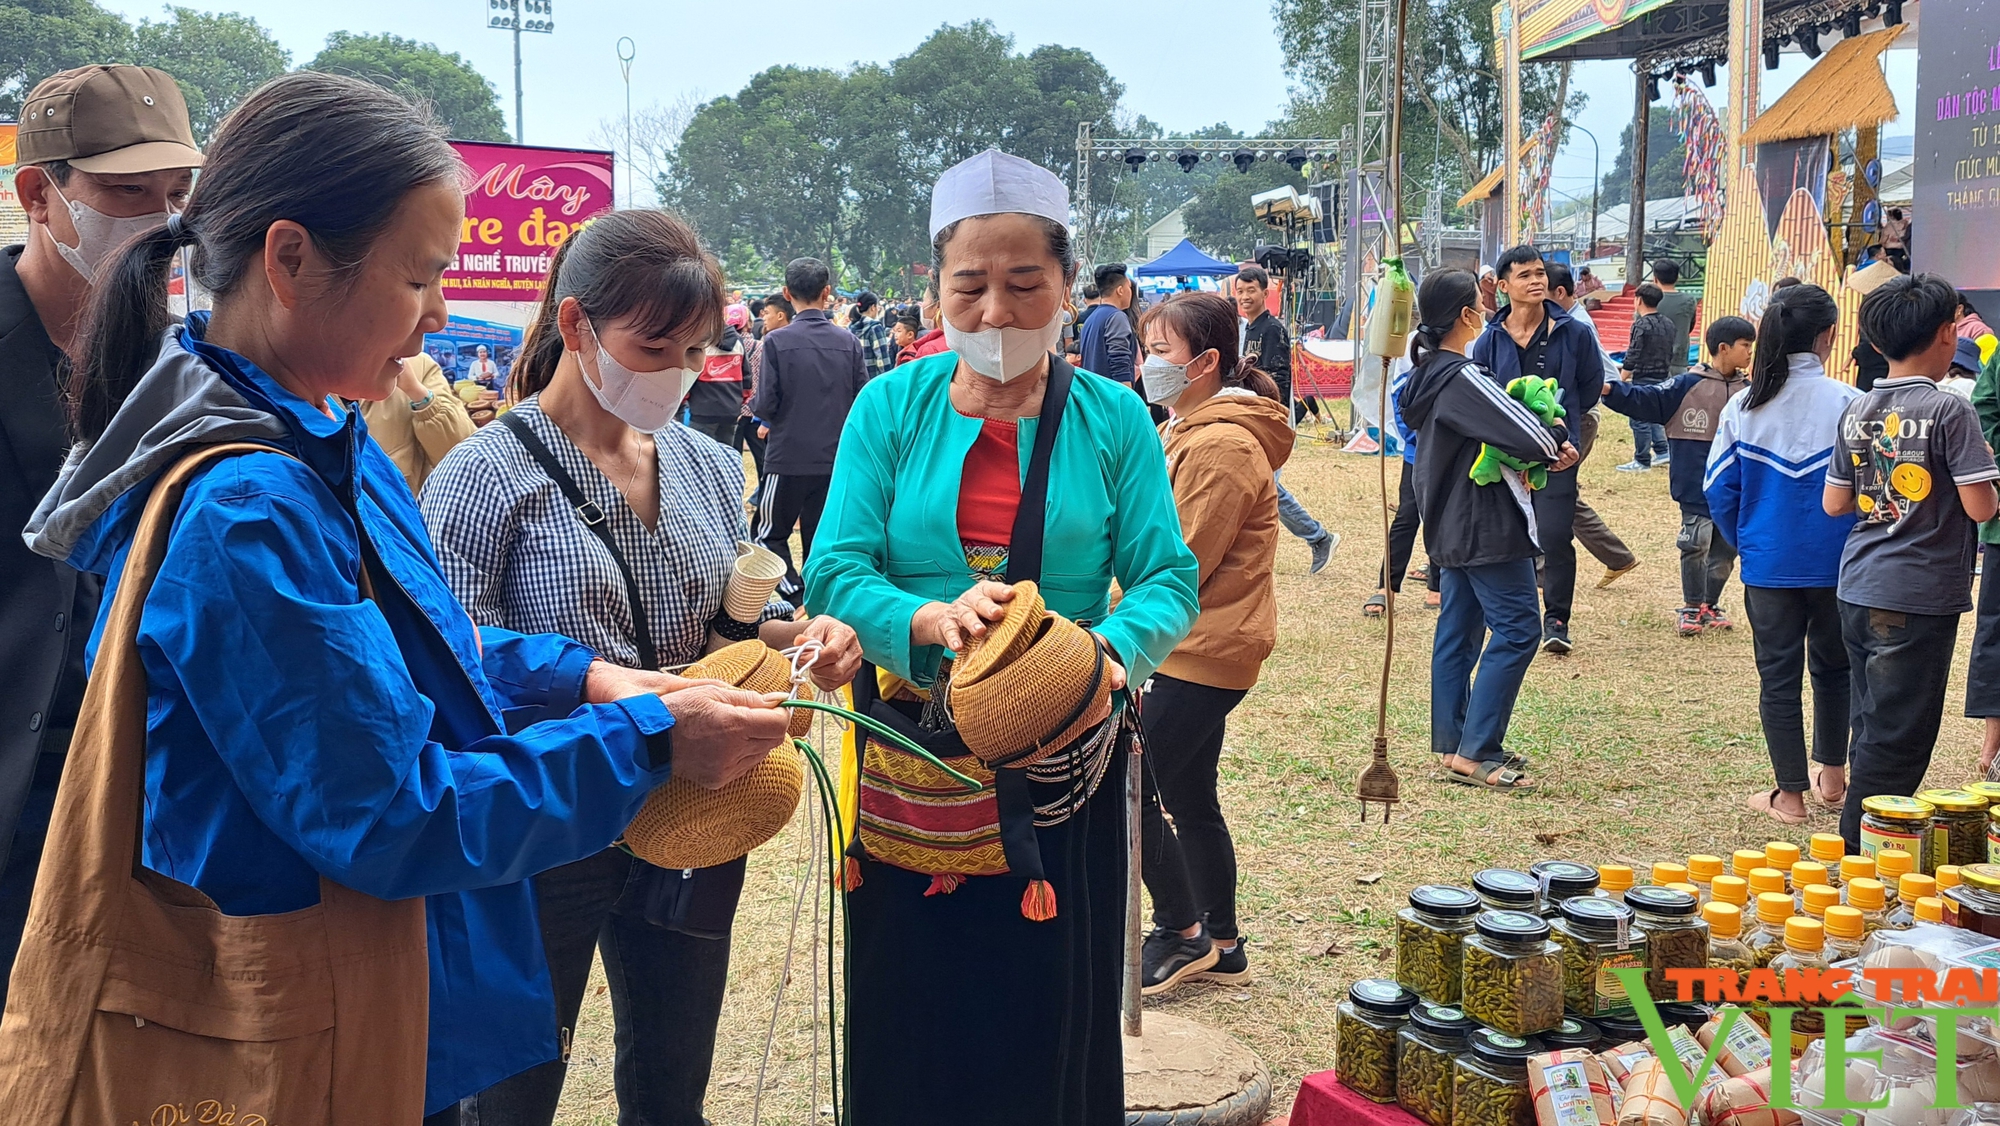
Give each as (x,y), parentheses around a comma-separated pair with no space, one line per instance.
(1614,877)
(1730,889)
(1806,873)
(1827,847)
(1946,876)
(1893,862)
(1985,877)
(1841,922)
(1683,885)
(1668,872)
(1773,907)
(1930,909)
(1988,790)
(1912,886)
(1766,879)
(1867,894)
(1818,898)
(1854,867)
(1780,854)
(1955,801)
(1895,807)
(1725,919)
(1744,859)
(1804,934)
(1704,867)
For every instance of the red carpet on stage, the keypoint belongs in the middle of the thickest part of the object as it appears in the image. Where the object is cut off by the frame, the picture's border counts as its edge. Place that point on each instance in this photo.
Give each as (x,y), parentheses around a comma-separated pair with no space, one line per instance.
(1323,1101)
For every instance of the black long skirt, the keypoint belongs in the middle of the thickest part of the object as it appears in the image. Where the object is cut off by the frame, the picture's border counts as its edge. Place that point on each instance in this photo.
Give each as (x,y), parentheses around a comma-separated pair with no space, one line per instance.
(963,1011)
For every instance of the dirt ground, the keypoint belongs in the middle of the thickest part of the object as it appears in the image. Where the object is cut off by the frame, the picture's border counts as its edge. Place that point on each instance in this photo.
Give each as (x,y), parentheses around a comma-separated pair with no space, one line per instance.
(1646,745)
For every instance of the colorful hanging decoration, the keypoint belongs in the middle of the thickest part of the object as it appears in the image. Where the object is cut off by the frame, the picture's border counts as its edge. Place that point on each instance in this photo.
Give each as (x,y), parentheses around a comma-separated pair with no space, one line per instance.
(1707,148)
(1536,165)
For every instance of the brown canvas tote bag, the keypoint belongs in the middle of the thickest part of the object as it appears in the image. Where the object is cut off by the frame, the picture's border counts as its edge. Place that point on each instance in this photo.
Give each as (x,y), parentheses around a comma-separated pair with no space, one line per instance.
(135,1002)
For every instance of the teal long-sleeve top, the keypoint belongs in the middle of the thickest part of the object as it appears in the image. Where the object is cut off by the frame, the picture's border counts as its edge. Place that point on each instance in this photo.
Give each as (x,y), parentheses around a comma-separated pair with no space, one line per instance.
(889,541)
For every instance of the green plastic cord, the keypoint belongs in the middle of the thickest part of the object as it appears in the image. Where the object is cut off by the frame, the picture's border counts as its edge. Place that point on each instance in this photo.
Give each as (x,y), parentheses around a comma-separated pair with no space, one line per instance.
(887,733)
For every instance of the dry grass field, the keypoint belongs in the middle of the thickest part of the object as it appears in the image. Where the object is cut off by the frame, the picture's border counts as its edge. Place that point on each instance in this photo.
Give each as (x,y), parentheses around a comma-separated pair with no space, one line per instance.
(1646,745)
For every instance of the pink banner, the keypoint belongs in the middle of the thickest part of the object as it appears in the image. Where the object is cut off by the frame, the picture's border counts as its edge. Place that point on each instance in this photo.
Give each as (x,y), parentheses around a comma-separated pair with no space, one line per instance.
(521,203)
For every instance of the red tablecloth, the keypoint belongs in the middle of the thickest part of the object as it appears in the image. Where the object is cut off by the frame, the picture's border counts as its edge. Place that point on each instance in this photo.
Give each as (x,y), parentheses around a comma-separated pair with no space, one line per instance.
(1321,378)
(1323,1101)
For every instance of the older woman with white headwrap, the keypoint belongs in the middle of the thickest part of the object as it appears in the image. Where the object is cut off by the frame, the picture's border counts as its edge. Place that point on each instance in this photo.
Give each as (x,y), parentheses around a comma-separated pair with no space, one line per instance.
(985,942)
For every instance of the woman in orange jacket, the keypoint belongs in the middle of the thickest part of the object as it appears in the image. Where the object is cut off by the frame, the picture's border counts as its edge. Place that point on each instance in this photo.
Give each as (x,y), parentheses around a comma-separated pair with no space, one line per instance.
(1228,435)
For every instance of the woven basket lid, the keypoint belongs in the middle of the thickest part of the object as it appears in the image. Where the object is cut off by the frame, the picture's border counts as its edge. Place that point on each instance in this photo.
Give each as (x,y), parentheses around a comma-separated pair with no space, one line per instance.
(683,825)
(1033,684)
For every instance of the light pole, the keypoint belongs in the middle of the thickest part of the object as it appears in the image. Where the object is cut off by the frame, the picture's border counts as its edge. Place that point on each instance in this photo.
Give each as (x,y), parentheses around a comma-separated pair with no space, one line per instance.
(507,15)
(1597,171)
(627,50)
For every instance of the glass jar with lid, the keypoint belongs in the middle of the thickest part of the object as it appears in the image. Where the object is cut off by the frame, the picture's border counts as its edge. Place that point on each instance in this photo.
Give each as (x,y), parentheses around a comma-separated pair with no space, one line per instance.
(1958,828)
(1781,855)
(1726,950)
(1430,934)
(1489,1083)
(1676,937)
(1702,869)
(1870,897)
(1560,880)
(1506,889)
(1729,889)
(1364,1030)
(1894,821)
(1891,865)
(1910,887)
(1597,936)
(1974,904)
(1425,1050)
(1828,848)
(1513,977)
(1767,939)
(1614,879)
(1620,1028)
(1572,1033)
(1805,941)
(1988,790)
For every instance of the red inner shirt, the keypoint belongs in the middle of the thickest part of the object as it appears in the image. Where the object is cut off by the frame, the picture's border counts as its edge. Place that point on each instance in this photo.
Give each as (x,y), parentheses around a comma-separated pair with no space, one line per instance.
(989,493)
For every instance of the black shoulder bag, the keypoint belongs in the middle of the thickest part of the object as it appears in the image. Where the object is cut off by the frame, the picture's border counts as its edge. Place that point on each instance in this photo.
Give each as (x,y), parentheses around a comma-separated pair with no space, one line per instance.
(700,902)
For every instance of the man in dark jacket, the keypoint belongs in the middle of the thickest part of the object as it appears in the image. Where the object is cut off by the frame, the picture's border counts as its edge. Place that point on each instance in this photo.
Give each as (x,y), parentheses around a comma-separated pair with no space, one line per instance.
(1266,344)
(810,372)
(716,401)
(1533,335)
(1106,342)
(104,153)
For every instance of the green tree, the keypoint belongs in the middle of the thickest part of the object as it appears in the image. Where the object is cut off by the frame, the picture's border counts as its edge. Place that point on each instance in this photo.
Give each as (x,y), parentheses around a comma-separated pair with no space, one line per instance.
(217,58)
(1666,154)
(462,97)
(1220,220)
(40,37)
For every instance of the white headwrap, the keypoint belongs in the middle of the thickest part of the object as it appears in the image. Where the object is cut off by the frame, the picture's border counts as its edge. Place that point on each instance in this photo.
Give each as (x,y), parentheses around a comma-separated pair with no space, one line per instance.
(994,183)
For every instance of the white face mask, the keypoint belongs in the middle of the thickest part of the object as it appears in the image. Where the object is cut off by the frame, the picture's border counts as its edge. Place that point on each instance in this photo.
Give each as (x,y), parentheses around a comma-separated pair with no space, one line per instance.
(1003,353)
(1163,380)
(98,234)
(643,400)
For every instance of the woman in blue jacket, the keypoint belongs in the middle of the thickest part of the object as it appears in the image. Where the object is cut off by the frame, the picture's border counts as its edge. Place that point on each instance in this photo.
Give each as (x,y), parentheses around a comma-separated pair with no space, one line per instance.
(299,728)
(1763,488)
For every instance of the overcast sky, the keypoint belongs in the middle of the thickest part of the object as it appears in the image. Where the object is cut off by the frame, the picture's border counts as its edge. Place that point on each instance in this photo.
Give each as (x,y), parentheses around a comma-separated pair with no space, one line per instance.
(1184,64)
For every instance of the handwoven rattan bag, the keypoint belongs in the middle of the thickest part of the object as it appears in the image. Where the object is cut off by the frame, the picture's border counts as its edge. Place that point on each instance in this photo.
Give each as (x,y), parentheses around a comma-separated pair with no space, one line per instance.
(1036,682)
(683,825)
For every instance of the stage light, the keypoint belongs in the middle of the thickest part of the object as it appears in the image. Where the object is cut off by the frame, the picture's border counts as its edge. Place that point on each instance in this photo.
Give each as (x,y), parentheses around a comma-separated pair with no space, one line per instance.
(1652,87)
(1135,158)
(1892,13)
(1708,74)
(1850,24)
(1243,159)
(1771,54)
(1187,159)
(1296,158)
(1807,37)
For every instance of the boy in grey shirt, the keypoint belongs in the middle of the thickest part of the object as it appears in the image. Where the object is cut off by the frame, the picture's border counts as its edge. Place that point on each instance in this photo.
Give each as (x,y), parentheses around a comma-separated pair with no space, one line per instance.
(1910,458)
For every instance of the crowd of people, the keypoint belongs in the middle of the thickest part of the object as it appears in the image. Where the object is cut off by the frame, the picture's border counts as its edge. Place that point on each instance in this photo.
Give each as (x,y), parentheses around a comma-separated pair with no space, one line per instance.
(373,677)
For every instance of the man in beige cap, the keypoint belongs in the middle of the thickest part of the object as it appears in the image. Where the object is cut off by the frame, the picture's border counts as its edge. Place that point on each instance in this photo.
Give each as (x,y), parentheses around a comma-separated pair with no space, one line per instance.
(105,153)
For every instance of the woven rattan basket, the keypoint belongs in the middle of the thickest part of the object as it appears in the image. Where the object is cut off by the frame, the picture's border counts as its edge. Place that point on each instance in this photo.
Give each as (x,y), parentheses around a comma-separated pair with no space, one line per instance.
(1034,684)
(683,825)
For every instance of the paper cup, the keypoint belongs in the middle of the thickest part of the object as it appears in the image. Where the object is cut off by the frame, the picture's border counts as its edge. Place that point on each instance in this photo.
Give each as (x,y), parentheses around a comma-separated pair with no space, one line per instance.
(758,573)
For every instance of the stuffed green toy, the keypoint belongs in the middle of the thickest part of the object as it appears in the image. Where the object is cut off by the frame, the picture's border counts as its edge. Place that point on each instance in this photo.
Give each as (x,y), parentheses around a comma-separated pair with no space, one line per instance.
(1540,396)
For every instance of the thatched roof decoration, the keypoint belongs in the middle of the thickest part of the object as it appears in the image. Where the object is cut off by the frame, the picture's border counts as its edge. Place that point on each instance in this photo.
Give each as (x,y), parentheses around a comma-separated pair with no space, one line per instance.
(1845,90)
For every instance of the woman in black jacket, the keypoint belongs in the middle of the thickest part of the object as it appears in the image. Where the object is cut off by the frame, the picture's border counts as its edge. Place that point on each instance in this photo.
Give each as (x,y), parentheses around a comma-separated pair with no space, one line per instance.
(1482,537)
